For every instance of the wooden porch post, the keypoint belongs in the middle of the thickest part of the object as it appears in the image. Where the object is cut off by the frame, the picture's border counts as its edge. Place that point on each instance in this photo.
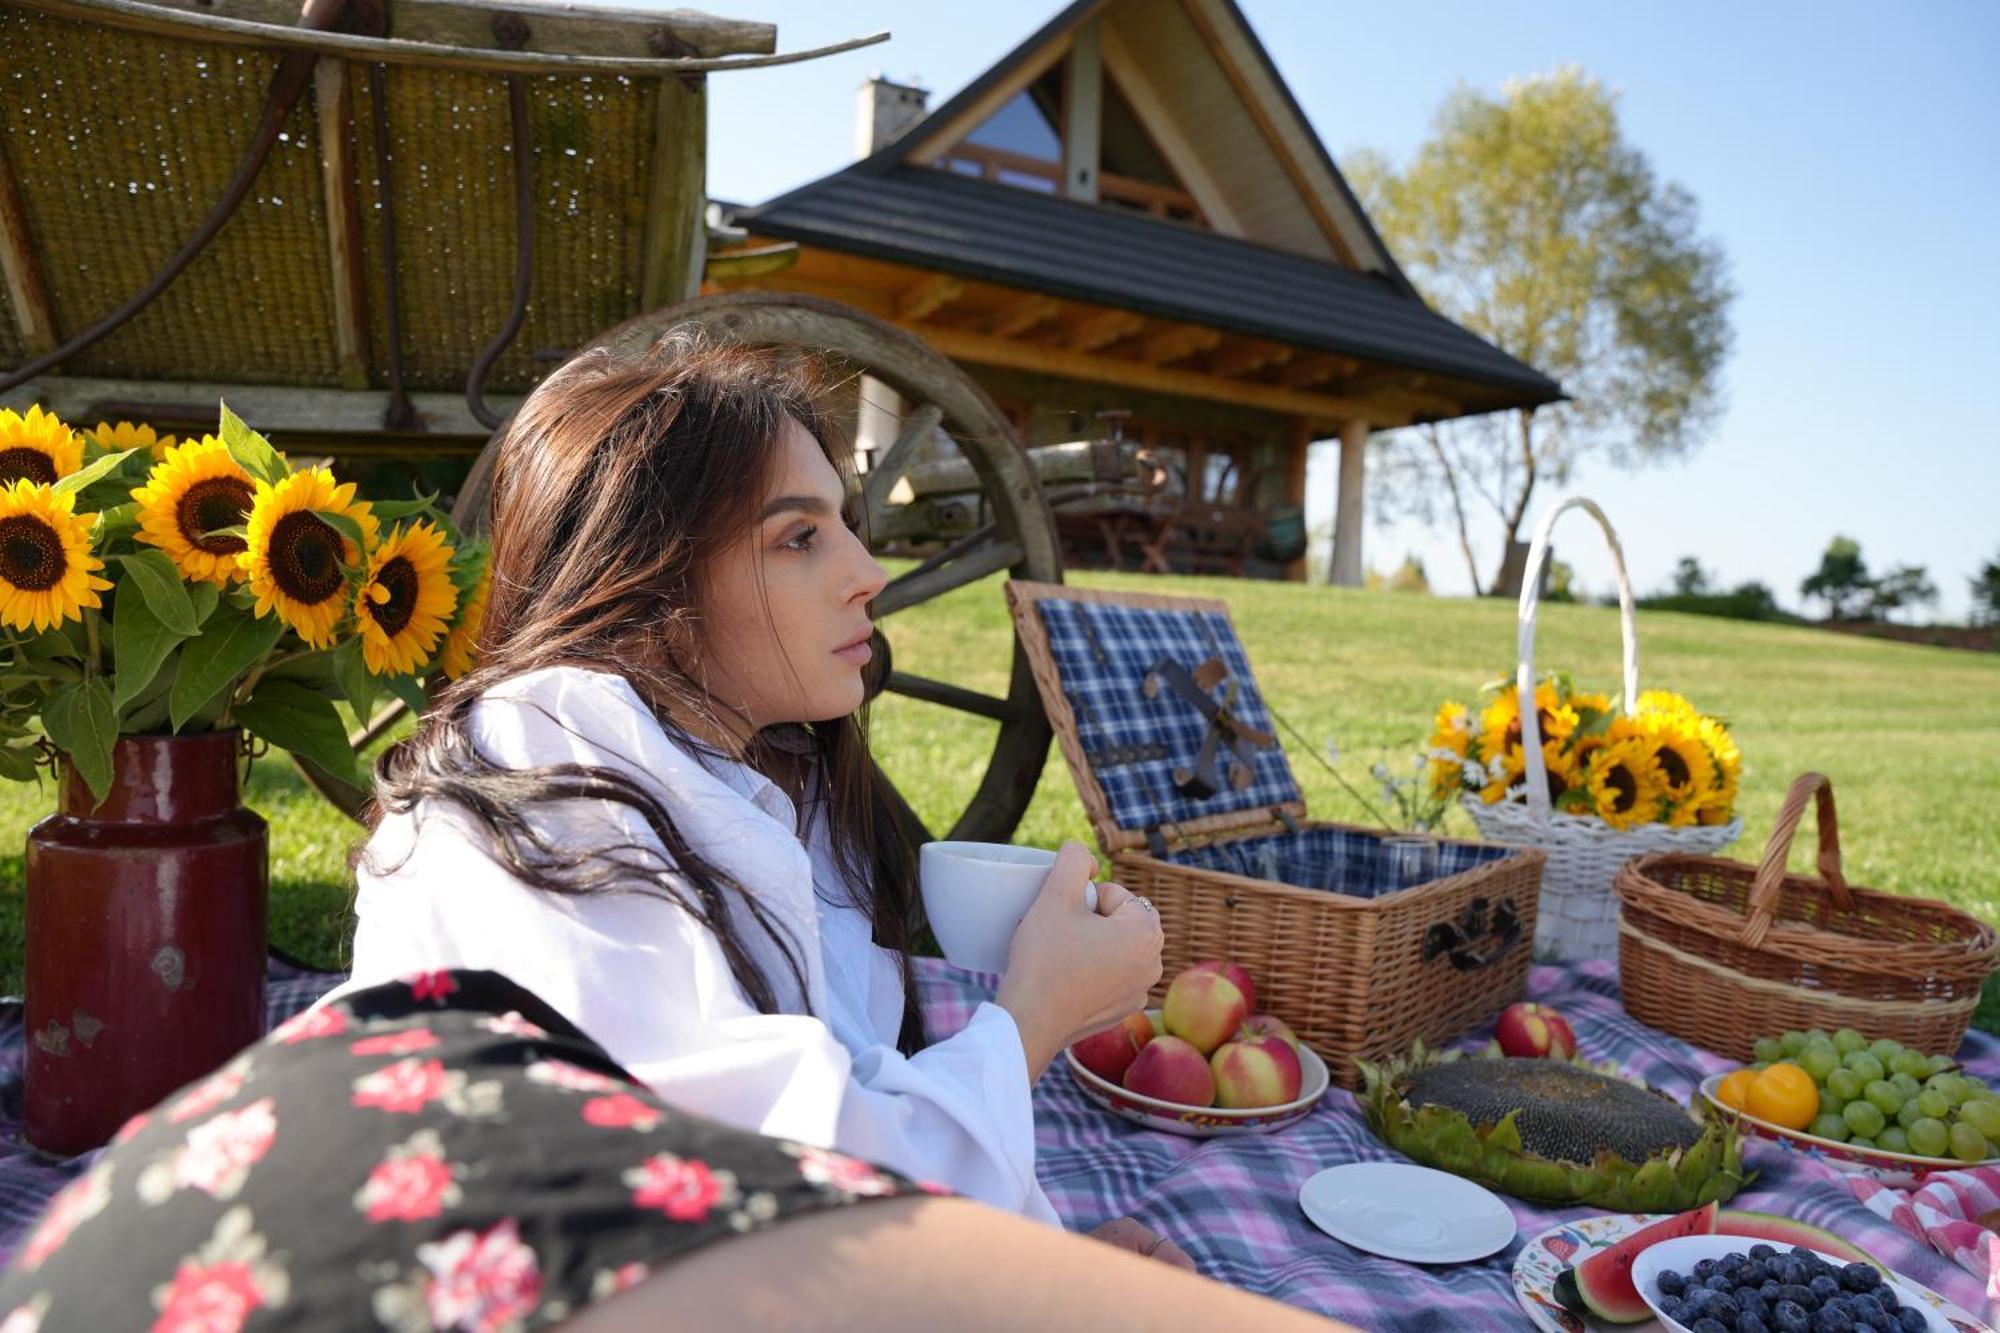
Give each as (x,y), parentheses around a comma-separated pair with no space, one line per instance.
(1298,441)
(1345,569)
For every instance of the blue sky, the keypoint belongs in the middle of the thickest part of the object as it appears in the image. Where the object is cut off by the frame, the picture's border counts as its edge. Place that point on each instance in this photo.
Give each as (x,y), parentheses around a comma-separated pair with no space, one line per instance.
(1846,155)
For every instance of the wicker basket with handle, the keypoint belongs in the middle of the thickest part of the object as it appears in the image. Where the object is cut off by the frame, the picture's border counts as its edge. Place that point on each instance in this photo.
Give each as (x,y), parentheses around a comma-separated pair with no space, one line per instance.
(1721,953)
(1579,915)
(1358,961)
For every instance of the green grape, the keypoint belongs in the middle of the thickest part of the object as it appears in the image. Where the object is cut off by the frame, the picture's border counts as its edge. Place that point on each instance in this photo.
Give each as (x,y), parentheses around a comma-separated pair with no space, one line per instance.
(1934,1103)
(1893,1139)
(1914,1063)
(1942,1083)
(1768,1050)
(1910,1113)
(1792,1042)
(1818,1037)
(1830,1127)
(1968,1144)
(1845,1083)
(1940,1063)
(1887,1097)
(1861,1140)
(1864,1118)
(1885,1050)
(1864,1064)
(1831,1103)
(1760,1067)
(1962,1091)
(1929,1137)
(1910,1087)
(1974,1086)
(1983,1114)
(1847,1041)
(1819,1062)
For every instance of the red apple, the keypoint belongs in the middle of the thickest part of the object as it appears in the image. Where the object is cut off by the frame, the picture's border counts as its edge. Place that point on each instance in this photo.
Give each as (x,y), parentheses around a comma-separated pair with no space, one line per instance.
(1528,1029)
(1204,1007)
(1260,1071)
(1172,1070)
(1236,973)
(1108,1054)
(1267,1025)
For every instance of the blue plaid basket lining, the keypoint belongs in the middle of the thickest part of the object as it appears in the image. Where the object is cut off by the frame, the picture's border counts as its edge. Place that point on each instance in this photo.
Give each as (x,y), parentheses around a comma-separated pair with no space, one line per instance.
(1102,653)
(1348,861)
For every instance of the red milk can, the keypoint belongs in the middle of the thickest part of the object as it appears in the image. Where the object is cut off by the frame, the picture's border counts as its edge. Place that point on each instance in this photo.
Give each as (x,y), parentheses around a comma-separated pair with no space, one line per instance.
(145,924)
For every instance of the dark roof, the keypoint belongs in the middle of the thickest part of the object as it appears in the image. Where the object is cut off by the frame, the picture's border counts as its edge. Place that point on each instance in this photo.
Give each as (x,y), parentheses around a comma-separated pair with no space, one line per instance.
(1064,247)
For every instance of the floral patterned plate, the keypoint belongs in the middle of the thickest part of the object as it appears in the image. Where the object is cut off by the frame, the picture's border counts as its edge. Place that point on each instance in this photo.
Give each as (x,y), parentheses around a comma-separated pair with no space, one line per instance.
(1543,1259)
(1891,1168)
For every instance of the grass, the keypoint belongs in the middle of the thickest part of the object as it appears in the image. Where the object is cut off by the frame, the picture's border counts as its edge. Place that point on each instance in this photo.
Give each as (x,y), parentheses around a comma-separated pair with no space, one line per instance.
(1910,735)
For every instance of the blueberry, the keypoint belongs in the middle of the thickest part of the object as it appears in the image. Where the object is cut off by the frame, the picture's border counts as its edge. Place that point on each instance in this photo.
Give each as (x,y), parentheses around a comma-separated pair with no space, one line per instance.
(1707,1325)
(1886,1294)
(1832,1319)
(1791,1270)
(1719,1282)
(1734,1259)
(1866,1309)
(1746,1274)
(1762,1252)
(1790,1317)
(1860,1277)
(1723,1308)
(1769,1291)
(1697,1300)
(1750,1323)
(1825,1287)
(1803,1297)
(1671,1308)
(1911,1320)
(1749,1302)
(1705,1269)
(1672,1283)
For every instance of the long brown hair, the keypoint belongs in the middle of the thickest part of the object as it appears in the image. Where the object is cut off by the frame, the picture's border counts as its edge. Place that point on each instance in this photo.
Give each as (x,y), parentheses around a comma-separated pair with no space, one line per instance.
(617,483)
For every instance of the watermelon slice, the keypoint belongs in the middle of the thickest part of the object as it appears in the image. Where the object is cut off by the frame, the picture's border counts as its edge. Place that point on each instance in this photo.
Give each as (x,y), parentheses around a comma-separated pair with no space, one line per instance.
(1602,1284)
(1785,1231)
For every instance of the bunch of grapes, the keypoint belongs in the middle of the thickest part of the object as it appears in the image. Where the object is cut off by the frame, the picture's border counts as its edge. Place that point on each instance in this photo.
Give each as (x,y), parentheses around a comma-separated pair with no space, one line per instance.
(1880,1094)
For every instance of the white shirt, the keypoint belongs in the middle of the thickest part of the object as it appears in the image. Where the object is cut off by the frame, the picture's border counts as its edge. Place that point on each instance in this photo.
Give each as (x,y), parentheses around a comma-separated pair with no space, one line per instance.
(643,979)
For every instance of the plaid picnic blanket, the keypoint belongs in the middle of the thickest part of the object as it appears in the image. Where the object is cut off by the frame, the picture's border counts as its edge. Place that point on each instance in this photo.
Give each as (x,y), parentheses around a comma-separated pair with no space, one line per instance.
(1233,1203)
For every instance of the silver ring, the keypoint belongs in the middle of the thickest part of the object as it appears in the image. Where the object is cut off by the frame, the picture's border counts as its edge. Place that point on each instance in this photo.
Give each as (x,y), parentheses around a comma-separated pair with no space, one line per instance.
(1145,902)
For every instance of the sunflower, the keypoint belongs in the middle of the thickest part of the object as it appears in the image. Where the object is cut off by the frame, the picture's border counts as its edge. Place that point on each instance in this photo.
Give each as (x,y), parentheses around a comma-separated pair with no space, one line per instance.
(462,644)
(1564,770)
(1623,780)
(116,439)
(195,491)
(1666,701)
(1686,770)
(1720,803)
(405,601)
(1500,722)
(295,559)
(1503,770)
(36,447)
(47,573)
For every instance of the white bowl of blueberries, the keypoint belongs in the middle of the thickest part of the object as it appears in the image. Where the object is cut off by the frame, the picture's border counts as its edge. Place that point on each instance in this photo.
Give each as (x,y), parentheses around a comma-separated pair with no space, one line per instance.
(1718,1284)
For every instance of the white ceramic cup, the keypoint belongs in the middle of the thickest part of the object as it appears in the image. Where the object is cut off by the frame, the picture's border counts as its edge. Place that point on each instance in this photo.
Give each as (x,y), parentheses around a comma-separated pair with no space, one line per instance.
(976,893)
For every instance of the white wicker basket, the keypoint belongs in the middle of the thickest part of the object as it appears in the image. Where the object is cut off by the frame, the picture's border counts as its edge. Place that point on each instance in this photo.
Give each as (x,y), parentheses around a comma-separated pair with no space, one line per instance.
(1579,912)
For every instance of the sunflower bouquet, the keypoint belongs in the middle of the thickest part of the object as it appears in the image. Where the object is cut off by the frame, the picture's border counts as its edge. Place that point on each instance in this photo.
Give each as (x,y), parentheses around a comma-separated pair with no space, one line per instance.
(150,585)
(1663,762)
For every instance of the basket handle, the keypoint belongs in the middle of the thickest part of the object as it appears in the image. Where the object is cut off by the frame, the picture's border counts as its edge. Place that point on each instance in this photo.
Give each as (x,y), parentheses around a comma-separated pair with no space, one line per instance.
(1536,769)
(1762,906)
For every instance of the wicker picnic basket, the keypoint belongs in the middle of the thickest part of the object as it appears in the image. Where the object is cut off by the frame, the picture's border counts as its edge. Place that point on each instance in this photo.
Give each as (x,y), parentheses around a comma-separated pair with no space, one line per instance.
(1168,738)
(1579,913)
(1721,953)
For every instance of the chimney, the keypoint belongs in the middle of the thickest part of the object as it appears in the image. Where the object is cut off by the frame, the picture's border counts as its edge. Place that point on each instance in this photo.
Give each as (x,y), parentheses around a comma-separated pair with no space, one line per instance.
(884,111)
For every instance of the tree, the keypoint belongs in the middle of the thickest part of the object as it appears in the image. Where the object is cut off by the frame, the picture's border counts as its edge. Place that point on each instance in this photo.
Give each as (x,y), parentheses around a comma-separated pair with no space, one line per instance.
(1529,219)
(1410,577)
(1562,582)
(1690,579)
(1842,576)
(1905,585)
(1986,593)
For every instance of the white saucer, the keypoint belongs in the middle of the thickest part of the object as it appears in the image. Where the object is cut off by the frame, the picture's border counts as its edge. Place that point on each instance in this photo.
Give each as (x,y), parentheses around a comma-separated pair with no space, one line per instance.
(1407,1212)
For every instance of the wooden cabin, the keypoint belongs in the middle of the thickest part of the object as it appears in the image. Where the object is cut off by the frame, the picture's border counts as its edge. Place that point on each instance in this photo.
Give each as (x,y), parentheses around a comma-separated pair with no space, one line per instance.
(1130,214)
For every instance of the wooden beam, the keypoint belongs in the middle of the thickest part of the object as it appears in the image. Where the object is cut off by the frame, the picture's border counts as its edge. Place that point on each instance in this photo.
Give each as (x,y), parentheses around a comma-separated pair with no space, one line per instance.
(27,294)
(926,151)
(926,298)
(1155,111)
(1298,443)
(750,261)
(1025,314)
(565,28)
(1246,358)
(333,106)
(1177,343)
(984,349)
(1316,368)
(273,409)
(676,241)
(1083,100)
(1102,329)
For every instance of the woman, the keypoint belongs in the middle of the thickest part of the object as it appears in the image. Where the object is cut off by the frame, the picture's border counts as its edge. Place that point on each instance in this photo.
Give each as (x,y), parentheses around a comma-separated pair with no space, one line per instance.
(652,805)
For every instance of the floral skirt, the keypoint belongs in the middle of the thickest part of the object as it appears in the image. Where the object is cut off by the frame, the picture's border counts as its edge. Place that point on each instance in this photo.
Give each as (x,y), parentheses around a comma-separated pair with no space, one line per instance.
(442,1153)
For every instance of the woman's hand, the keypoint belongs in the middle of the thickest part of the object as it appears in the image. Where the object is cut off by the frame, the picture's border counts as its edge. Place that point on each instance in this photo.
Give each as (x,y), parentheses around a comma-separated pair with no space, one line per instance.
(1071,972)
(1129,1233)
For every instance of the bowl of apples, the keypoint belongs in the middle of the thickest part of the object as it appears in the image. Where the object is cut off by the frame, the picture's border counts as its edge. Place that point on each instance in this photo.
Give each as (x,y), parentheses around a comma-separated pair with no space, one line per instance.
(1204,1064)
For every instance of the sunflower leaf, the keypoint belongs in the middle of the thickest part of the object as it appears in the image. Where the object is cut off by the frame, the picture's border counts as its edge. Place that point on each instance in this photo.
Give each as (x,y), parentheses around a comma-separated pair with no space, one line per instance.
(158,582)
(97,471)
(469,567)
(292,717)
(411,691)
(356,682)
(204,596)
(240,531)
(213,660)
(18,763)
(252,452)
(391,510)
(83,724)
(345,525)
(140,643)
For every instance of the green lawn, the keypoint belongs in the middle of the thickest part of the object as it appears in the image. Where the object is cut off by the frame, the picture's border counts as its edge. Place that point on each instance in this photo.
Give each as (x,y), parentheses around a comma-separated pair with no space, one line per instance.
(1910,735)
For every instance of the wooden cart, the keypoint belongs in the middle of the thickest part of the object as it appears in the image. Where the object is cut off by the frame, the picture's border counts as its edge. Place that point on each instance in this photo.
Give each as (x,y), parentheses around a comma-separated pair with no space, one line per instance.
(372,225)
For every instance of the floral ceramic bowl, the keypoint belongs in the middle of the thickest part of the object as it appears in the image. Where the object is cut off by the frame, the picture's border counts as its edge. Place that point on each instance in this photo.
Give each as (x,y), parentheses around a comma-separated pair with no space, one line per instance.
(1205,1122)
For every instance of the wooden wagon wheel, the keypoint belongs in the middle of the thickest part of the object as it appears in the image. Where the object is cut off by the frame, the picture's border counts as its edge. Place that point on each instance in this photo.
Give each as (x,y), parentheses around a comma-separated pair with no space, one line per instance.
(1020,537)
